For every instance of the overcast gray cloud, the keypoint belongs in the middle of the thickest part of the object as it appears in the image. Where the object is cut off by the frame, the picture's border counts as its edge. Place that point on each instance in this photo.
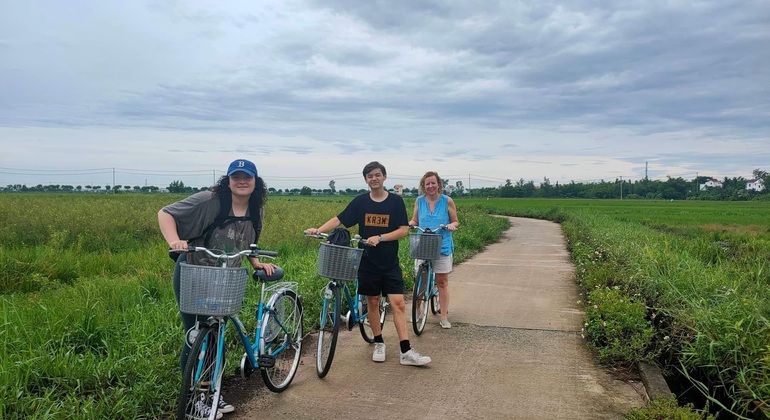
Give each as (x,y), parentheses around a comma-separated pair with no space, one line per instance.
(484,91)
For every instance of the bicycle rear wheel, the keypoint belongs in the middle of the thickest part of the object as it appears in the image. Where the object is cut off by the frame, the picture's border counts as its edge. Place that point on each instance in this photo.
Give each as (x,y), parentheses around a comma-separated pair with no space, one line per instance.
(284,329)
(420,299)
(199,396)
(364,323)
(328,330)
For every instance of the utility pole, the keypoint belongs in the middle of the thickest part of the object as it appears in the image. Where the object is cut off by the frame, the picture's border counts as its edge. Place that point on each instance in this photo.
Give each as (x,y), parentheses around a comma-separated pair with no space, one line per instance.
(621,187)
(113,180)
(645,171)
(469,186)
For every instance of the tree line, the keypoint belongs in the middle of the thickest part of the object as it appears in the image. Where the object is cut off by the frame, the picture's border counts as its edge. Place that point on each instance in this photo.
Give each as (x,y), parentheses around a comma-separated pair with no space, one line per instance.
(732,189)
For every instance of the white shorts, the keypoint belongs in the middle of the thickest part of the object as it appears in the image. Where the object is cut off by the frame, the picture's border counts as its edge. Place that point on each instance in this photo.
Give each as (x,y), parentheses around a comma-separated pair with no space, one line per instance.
(443,265)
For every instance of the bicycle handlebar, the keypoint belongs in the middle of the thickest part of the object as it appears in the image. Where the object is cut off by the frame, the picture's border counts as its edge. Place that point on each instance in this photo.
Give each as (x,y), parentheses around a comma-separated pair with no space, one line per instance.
(253,251)
(427,229)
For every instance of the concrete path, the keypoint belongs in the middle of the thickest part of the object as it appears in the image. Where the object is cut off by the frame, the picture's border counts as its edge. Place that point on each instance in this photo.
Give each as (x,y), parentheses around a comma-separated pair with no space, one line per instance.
(514,351)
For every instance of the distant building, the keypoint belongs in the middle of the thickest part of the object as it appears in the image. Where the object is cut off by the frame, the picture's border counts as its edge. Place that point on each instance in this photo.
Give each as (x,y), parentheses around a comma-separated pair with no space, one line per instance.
(711,183)
(755,185)
(398,189)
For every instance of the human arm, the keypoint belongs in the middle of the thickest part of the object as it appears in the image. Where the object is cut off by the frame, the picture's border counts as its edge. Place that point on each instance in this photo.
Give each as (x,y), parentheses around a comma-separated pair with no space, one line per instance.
(168,229)
(454,223)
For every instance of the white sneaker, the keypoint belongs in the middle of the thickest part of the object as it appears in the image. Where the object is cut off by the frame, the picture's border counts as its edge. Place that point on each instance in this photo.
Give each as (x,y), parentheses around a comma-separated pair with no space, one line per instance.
(412,358)
(203,411)
(379,352)
(445,324)
(225,407)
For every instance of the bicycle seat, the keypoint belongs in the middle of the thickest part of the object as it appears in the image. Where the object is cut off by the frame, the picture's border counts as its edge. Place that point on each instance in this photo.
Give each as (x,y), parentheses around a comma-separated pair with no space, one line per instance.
(263,277)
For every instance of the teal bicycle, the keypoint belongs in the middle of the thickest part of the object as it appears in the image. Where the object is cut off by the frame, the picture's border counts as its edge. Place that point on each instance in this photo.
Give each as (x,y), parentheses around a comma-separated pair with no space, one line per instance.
(424,245)
(340,265)
(218,293)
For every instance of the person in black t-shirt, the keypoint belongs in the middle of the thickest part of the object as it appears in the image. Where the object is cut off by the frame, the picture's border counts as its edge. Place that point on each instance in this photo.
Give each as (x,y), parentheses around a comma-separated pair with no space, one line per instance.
(382,221)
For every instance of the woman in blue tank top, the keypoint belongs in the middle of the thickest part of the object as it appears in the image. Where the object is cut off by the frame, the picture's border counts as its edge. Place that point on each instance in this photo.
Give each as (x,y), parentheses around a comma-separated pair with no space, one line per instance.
(433,209)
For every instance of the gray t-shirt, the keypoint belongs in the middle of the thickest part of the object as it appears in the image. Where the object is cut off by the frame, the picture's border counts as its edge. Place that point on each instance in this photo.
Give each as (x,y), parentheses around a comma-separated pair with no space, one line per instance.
(196,213)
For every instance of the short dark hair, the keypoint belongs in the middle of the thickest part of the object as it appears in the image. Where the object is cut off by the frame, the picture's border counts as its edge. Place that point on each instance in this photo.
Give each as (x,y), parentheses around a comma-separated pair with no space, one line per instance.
(372,166)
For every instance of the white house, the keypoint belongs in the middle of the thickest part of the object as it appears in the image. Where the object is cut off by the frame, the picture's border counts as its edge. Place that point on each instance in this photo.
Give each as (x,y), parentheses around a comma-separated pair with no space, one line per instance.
(711,183)
(755,185)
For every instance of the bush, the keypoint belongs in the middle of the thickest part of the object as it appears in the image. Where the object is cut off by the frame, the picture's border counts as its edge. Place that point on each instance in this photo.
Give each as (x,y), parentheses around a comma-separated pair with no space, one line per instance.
(666,409)
(617,326)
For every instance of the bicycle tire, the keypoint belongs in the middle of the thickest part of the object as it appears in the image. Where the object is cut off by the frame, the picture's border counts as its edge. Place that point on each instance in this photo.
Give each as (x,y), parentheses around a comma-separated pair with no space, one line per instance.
(288,309)
(420,300)
(198,376)
(435,305)
(328,330)
(363,317)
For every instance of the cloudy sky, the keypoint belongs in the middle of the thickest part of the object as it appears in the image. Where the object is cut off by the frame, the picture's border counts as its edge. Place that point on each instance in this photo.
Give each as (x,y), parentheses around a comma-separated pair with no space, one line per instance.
(480,91)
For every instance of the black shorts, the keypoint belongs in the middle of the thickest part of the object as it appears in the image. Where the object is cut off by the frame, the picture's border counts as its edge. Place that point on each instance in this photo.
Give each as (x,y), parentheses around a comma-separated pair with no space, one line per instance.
(389,283)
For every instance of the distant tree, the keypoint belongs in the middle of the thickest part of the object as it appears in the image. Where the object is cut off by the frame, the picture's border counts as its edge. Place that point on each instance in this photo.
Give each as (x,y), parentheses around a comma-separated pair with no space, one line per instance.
(176,187)
(459,188)
(331,186)
(306,191)
(107,187)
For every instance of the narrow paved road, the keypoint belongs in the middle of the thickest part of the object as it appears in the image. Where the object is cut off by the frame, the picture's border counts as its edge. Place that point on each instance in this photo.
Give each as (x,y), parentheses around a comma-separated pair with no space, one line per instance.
(514,351)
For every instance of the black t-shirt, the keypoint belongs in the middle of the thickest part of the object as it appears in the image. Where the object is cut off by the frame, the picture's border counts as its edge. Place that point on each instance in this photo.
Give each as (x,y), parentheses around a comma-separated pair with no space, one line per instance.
(374,219)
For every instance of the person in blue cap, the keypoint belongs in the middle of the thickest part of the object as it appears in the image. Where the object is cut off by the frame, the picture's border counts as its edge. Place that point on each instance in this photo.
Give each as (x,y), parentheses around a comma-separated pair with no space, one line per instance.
(227,217)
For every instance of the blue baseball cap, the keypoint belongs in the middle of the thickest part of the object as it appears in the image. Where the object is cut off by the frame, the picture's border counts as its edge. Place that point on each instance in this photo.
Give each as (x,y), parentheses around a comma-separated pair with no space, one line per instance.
(242,165)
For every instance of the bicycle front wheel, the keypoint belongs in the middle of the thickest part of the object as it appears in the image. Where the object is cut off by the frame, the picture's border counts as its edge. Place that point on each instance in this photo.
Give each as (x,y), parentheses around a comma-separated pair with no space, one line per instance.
(435,307)
(328,330)
(284,326)
(420,299)
(364,322)
(202,378)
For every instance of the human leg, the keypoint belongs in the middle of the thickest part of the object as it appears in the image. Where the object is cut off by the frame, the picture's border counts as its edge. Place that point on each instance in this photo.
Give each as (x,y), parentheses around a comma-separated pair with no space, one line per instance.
(442,268)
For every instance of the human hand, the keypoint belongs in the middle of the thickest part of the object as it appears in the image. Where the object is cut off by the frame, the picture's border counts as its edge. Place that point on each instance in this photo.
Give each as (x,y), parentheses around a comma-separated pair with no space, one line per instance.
(179,245)
(267,267)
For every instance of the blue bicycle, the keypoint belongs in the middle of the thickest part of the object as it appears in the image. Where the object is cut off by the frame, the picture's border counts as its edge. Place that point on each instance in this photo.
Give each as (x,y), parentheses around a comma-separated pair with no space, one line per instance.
(340,265)
(218,292)
(424,245)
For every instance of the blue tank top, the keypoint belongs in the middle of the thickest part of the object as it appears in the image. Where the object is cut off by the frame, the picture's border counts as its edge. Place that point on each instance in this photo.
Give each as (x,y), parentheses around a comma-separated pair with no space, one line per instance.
(439,216)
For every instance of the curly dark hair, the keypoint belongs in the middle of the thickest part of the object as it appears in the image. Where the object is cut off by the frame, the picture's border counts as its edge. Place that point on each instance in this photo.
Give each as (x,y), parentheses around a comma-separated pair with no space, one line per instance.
(257,199)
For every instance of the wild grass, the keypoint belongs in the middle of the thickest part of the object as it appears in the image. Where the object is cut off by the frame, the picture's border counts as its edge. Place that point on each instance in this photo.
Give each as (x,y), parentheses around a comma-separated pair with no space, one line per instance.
(684,285)
(89,322)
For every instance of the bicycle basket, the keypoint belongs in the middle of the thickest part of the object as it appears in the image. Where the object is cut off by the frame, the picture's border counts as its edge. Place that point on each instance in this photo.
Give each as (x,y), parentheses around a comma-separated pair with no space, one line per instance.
(425,246)
(213,291)
(339,262)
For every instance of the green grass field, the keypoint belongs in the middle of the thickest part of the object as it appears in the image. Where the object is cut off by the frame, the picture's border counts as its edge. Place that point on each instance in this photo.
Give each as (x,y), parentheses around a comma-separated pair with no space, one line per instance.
(90,326)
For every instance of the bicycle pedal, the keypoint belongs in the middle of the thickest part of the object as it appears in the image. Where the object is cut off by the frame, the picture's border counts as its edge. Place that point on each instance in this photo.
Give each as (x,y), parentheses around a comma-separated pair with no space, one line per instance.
(266,361)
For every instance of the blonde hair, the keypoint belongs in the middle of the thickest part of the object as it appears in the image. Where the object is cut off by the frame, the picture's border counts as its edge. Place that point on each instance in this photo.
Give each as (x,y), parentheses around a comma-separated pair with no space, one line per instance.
(428,175)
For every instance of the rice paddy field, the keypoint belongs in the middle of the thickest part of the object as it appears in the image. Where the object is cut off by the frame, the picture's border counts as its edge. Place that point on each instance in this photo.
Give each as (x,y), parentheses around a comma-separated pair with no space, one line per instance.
(90,327)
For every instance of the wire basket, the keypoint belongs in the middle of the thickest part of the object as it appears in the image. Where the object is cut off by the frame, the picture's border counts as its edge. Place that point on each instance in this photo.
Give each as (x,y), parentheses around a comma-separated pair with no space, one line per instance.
(425,246)
(339,262)
(213,291)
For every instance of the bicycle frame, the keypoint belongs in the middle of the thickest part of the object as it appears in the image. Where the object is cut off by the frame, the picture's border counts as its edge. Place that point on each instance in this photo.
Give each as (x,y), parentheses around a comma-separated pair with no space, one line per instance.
(271,355)
(425,291)
(254,350)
